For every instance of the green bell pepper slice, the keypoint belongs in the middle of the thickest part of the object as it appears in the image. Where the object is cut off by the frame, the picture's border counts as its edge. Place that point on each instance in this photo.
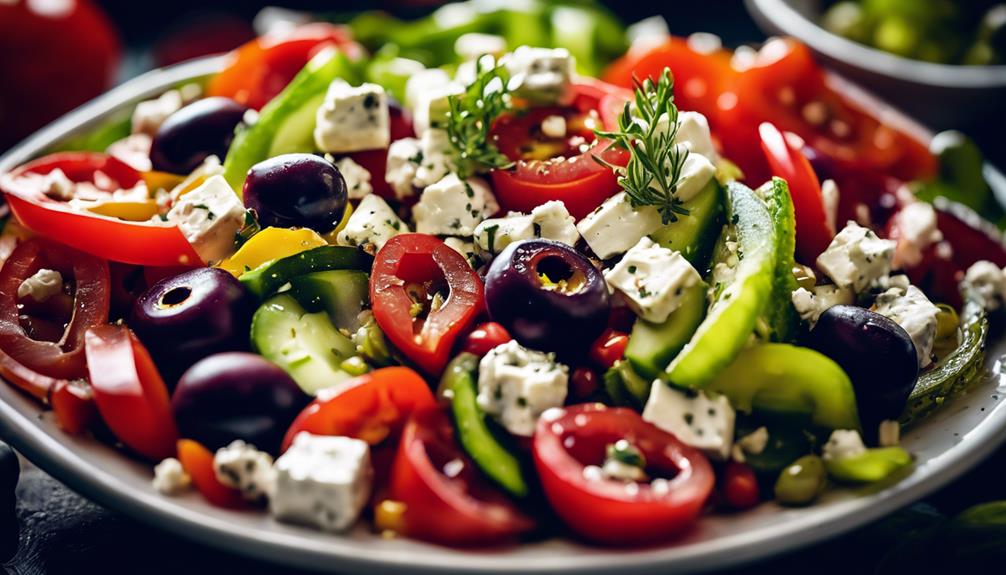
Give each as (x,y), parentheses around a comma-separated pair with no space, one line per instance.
(869,466)
(267,278)
(477,439)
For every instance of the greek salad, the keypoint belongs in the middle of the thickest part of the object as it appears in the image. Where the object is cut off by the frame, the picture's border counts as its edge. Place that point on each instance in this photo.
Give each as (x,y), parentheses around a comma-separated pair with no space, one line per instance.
(488,297)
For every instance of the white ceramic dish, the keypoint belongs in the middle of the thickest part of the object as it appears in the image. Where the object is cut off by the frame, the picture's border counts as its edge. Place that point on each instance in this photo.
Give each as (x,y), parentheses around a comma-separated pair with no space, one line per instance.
(946,445)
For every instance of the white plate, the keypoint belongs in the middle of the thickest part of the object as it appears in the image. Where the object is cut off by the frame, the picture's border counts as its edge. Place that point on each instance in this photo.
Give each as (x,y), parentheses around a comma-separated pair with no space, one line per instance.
(945,445)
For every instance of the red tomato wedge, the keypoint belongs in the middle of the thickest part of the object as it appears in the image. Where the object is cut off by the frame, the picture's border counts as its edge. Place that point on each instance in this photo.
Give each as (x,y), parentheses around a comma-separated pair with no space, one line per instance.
(412,267)
(606,511)
(446,499)
(198,463)
(141,243)
(813,230)
(371,407)
(130,394)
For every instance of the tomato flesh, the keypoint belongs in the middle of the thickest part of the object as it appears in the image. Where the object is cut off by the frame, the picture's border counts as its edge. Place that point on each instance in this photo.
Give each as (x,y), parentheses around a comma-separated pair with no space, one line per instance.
(198,463)
(484,337)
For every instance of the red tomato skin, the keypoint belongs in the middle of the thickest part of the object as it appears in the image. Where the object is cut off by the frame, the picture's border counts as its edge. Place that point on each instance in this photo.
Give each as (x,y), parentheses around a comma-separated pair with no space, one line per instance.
(440,509)
(198,463)
(740,486)
(609,348)
(603,511)
(420,258)
(583,383)
(130,394)
(484,337)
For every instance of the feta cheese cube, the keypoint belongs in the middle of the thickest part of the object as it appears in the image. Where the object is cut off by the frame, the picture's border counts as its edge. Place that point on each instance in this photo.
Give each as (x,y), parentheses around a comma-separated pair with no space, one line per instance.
(209,217)
(474,44)
(754,442)
(371,225)
(550,221)
(454,207)
(242,467)
(856,257)
(57,186)
(701,421)
(615,226)
(422,82)
(356,176)
(916,230)
(539,74)
(652,279)
(693,133)
(830,197)
(150,114)
(989,282)
(648,33)
(554,126)
(404,157)
(463,247)
(889,433)
(41,285)
(322,481)
(432,106)
(843,443)
(912,310)
(170,477)
(811,304)
(436,160)
(352,119)
(696,172)
(516,385)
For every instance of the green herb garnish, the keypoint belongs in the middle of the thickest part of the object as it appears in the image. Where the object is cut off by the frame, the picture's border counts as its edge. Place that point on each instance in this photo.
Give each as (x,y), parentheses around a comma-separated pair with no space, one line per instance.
(471,115)
(624,452)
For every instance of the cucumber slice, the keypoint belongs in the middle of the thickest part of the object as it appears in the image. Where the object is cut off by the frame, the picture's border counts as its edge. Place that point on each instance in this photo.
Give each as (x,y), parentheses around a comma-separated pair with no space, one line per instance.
(306,345)
(266,279)
(780,316)
(695,235)
(652,346)
(342,294)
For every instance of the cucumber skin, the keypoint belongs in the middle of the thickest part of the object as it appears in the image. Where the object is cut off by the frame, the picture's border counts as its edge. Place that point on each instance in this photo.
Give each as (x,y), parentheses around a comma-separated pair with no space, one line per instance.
(267,278)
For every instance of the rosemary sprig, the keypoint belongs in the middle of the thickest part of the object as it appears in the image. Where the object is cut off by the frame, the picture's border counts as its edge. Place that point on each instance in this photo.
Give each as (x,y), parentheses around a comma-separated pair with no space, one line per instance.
(471,115)
(652,176)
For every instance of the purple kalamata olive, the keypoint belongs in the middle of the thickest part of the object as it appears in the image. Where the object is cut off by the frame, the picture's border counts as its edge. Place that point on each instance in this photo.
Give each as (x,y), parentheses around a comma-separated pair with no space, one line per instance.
(876,353)
(548,296)
(296,190)
(185,318)
(236,395)
(201,129)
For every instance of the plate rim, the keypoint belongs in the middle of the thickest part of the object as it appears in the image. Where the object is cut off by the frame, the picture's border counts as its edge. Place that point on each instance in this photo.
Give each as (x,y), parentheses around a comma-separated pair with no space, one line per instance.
(57,458)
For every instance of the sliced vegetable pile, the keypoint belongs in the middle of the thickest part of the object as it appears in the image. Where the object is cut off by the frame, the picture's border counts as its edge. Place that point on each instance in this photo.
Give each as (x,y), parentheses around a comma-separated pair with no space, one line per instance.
(481,297)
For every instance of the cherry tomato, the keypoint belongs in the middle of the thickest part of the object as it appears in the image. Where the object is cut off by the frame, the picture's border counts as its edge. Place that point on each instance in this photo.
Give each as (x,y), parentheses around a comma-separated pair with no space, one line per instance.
(583,383)
(813,230)
(261,68)
(130,394)
(64,358)
(609,348)
(141,243)
(740,486)
(446,498)
(410,276)
(198,463)
(371,407)
(40,41)
(606,511)
(484,337)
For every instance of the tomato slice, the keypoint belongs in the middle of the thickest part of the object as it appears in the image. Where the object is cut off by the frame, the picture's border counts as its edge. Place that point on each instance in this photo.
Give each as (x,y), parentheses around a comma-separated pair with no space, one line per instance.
(260,69)
(813,230)
(446,499)
(130,394)
(608,348)
(198,463)
(371,407)
(485,337)
(141,243)
(413,267)
(609,511)
(63,358)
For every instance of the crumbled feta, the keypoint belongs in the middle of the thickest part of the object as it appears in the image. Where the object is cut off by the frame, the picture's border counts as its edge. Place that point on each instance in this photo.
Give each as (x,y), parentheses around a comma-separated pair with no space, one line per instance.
(615,226)
(516,385)
(648,33)
(463,247)
(371,225)
(696,172)
(474,44)
(843,443)
(243,467)
(856,257)
(550,221)
(912,310)
(754,442)
(150,114)
(704,422)
(57,186)
(454,207)
(422,82)
(210,167)
(693,133)
(356,176)
(889,433)
(540,74)
(917,230)
(322,481)
(41,285)
(404,157)
(435,161)
(830,197)
(653,279)
(989,282)
(209,217)
(170,477)
(554,126)
(353,118)
(432,106)
(811,304)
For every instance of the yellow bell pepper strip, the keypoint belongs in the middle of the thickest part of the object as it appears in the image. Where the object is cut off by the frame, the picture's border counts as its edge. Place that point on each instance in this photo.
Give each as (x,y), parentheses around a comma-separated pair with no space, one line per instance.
(271,244)
(133,211)
(331,236)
